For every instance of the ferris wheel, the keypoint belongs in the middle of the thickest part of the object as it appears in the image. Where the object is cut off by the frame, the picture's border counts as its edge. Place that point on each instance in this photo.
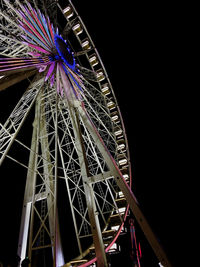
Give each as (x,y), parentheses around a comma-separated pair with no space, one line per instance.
(78,185)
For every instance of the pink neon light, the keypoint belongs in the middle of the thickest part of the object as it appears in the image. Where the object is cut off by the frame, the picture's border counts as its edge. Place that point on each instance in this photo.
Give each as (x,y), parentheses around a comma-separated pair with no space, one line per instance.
(50,28)
(37,48)
(33,54)
(38,18)
(22,61)
(42,68)
(51,68)
(27,38)
(41,26)
(57,79)
(21,67)
(140,251)
(52,80)
(65,81)
(136,249)
(34,31)
(46,39)
(58,82)
(44,29)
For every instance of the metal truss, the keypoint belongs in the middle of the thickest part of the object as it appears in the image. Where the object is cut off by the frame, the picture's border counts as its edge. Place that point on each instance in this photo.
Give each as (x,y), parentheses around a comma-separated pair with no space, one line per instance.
(79,161)
(58,130)
(10,129)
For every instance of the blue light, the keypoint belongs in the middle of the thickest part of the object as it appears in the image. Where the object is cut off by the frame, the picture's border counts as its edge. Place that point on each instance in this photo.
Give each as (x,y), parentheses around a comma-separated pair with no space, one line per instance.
(65,48)
(57,57)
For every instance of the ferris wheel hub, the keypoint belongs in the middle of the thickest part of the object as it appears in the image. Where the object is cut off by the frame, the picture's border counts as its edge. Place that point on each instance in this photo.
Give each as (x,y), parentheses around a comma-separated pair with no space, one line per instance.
(64,52)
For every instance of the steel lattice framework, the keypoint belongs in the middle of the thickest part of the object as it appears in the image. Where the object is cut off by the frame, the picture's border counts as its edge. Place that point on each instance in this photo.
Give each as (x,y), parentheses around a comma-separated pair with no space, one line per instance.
(78,158)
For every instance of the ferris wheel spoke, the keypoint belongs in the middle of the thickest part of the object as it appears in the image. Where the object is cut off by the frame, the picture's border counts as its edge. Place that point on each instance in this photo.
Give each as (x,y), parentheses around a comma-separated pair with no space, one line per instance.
(70,200)
(11,47)
(76,190)
(65,143)
(88,95)
(42,220)
(84,220)
(105,131)
(94,114)
(97,159)
(9,20)
(103,121)
(10,40)
(9,131)
(11,7)
(88,75)
(106,203)
(113,194)
(77,193)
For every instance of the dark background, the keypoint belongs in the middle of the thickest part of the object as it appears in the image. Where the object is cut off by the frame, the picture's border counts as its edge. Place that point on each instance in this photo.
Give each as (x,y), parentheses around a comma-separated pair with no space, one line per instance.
(141,47)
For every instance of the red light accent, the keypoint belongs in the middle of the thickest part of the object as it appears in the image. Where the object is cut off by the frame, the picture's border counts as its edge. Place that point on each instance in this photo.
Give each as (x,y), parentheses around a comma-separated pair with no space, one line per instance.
(140,251)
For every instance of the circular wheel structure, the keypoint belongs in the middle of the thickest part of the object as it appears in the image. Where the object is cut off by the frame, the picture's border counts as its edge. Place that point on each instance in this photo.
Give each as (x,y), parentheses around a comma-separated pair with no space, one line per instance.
(74,204)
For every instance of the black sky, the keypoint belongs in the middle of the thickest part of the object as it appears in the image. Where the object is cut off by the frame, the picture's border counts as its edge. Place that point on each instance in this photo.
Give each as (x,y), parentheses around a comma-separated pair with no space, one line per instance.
(139,45)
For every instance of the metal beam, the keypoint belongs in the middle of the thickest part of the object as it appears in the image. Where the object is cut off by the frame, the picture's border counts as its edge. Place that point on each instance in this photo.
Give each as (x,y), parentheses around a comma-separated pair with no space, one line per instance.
(29,190)
(10,129)
(100,177)
(14,78)
(89,194)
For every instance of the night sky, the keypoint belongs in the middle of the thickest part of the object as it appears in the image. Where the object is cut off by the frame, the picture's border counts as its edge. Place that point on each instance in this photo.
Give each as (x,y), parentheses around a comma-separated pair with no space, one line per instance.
(139,46)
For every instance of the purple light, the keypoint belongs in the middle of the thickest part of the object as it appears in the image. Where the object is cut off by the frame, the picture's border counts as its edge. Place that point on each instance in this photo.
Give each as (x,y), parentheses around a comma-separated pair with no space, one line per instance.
(64,52)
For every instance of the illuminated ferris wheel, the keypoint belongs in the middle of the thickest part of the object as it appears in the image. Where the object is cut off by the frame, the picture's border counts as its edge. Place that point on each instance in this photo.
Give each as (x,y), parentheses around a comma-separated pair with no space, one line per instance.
(78,168)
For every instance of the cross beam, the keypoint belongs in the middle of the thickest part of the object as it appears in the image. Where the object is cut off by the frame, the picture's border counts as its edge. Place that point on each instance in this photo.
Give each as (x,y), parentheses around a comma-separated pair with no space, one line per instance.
(14,77)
